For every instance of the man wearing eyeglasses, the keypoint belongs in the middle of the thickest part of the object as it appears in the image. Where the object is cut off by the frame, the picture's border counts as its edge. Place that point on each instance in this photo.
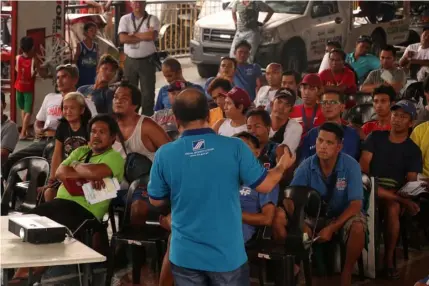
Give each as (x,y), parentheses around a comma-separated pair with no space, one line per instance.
(332,106)
(361,60)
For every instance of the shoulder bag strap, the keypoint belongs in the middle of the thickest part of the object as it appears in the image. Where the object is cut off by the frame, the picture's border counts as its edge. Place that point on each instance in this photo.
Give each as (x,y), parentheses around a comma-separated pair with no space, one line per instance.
(136,29)
(122,140)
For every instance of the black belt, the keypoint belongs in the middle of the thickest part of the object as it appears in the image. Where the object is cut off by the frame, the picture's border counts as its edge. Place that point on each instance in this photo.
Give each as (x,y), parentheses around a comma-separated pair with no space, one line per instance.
(144,58)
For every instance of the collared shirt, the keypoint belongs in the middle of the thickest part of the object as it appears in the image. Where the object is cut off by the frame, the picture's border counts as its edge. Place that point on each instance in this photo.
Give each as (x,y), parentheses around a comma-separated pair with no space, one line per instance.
(348,186)
(162,100)
(141,49)
(347,78)
(201,173)
(363,65)
(351,143)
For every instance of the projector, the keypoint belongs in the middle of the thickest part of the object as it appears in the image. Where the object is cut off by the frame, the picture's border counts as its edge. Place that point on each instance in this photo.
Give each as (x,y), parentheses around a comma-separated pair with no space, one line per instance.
(37,229)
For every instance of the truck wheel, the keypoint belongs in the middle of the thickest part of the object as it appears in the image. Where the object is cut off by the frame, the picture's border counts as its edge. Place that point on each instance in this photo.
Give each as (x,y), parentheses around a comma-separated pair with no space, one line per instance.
(413,37)
(294,56)
(206,71)
(378,42)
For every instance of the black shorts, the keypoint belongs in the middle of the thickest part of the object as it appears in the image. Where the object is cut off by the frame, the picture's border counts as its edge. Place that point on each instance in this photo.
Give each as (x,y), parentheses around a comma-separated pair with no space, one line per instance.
(66,212)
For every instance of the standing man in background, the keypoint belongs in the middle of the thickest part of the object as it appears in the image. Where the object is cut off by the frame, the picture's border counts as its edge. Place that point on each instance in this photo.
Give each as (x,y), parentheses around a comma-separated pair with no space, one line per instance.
(247,24)
(138,31)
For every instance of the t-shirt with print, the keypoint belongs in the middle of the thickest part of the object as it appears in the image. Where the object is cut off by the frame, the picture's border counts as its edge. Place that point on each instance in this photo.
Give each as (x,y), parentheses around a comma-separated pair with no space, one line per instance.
(347,78)
(374,77)
(248,14)
(348,186)
(374,126)
(163,102)
(50,112)
(102,97)
(166,119)
(112,159)
(71,139)
(314,119)
(245,77)
(391,162)
(420,136)
(419,54)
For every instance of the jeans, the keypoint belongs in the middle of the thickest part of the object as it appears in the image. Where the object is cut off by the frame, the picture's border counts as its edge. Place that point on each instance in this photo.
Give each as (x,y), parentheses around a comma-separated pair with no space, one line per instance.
(253,37)
(190,277)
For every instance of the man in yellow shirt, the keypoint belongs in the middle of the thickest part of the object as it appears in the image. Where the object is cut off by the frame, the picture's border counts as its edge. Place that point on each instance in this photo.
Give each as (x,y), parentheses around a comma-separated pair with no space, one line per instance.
(420,136)
(217,90)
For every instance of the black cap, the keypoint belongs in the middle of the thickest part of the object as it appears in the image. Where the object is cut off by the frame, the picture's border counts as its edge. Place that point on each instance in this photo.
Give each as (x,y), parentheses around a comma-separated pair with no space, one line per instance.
(364,39)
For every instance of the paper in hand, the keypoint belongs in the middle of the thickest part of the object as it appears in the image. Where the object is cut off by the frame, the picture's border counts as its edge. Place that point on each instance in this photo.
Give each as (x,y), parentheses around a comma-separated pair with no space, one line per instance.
(387,76)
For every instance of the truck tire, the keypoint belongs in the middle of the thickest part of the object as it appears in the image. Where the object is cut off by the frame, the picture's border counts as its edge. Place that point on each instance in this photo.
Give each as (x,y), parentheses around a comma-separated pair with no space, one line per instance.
(378,41)
(413,37)
(206,71)
(294,55)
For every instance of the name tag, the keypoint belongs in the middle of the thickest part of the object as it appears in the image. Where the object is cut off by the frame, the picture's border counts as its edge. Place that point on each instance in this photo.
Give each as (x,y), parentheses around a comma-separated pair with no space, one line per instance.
(341,184)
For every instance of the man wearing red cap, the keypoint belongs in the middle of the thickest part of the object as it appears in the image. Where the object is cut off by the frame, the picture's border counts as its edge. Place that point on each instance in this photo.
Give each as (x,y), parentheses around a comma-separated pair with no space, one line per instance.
(309,114)
(237,102)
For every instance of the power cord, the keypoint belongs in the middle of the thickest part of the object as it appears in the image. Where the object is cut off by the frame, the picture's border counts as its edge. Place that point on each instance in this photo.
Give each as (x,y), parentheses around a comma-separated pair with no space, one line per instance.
(71,235)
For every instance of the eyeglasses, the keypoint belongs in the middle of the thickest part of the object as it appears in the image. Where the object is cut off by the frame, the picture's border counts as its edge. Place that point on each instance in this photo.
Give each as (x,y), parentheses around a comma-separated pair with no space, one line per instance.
(329,102)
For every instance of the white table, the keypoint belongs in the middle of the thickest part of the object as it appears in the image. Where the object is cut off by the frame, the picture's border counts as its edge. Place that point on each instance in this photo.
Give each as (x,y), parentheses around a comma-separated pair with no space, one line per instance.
(16,254)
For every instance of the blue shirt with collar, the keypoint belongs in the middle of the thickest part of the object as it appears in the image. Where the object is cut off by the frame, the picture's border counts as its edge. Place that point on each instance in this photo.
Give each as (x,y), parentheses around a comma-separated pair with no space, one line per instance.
(348,186)
(245,77)
(162,101)
(102,97)
(351,143)
(363,65)
(201,173)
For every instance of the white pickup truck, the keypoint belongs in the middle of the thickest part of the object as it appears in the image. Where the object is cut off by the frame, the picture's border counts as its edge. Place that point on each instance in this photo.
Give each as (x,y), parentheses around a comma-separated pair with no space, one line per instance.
(296,34)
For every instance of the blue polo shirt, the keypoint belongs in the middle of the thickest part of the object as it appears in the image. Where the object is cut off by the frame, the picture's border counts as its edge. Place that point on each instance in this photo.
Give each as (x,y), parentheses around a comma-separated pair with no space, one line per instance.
(363,65)
(102,97)
(246,76)
(351,143)
(162,101)
(201,173)
(348,187)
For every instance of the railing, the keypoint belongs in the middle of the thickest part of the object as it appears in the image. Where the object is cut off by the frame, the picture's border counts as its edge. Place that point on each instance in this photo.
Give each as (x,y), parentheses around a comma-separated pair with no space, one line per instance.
(177,20)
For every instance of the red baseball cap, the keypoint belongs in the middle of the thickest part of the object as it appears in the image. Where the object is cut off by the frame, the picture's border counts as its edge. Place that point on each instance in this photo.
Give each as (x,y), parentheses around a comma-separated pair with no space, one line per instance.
(178,85)
(239,96)
(312,79)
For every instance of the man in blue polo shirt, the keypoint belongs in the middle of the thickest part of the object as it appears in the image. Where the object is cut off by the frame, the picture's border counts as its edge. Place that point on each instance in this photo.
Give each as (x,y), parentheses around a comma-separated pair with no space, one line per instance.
(201,174)
(332,106)
(361,60)
(337,177)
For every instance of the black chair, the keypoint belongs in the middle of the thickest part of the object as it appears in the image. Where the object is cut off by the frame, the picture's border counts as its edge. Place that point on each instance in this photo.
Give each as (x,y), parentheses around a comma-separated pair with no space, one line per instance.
(414,92)
(37,173)
(360,98)
(307,203)
(360,114)
(151,234)
(173,134)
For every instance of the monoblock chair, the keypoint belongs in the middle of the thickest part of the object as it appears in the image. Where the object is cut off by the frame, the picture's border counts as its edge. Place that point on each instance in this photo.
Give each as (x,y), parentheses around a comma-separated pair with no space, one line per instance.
(37,175)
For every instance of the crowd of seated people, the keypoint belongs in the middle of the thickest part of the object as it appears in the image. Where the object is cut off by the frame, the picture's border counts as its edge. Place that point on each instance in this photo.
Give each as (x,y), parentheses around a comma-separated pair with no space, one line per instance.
(300,115)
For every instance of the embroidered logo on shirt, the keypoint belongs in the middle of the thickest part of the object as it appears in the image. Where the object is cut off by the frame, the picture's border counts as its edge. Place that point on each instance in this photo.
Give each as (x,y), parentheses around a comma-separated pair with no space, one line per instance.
(245,191)
(198,145)
(341,184)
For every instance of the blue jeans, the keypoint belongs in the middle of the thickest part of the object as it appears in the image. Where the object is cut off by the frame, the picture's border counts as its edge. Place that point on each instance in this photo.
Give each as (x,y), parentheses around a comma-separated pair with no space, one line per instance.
(190,277)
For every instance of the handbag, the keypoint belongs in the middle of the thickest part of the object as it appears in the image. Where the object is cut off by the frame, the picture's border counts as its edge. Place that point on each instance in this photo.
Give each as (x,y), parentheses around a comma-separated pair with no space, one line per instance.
(136,164)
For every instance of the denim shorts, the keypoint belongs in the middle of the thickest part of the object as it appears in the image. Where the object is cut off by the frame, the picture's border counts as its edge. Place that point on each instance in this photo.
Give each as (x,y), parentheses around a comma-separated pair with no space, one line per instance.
(190,277)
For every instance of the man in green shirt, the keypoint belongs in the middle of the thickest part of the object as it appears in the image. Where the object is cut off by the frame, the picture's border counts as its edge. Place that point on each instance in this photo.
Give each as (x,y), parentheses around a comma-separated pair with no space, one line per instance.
(90,163)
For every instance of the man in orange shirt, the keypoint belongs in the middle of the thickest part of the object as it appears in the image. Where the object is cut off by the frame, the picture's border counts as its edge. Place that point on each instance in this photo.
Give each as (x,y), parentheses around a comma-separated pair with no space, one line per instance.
(309,114)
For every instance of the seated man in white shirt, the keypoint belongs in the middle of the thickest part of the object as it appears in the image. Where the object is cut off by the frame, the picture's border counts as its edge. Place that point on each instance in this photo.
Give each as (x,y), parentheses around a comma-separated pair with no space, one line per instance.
(266,93)
(418,54)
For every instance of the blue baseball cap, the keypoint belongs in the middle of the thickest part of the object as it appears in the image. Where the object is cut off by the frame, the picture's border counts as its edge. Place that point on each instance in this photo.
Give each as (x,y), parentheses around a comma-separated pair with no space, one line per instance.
(407,106)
